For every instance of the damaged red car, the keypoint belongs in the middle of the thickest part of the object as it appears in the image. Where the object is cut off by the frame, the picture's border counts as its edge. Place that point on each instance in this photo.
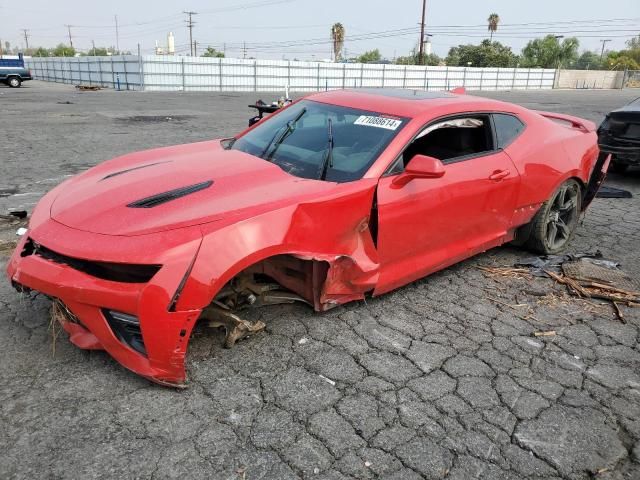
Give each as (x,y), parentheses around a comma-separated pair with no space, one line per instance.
(338,196)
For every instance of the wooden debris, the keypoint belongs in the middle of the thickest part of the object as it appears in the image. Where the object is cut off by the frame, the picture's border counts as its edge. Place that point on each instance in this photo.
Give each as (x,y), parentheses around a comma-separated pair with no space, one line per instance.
(616,307)
(90,88)
(548,333)
(509,272)
(599,290)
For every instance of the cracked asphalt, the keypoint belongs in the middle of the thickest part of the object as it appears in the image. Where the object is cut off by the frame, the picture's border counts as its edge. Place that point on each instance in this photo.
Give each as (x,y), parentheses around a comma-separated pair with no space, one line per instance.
(443,378)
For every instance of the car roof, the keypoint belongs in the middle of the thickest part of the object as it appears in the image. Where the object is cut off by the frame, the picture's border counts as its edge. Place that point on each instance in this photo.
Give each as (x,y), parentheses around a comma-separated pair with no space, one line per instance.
(407,102)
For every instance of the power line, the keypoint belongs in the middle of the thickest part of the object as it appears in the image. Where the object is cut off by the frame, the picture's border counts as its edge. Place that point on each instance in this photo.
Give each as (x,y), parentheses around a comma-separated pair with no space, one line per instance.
(69,30)
(604,42)
(424,10)
(117,34)
(190,24)
(26,38)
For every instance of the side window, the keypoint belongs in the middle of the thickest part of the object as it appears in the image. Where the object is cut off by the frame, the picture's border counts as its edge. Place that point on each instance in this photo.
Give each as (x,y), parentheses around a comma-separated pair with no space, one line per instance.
(452,139)
(508,127)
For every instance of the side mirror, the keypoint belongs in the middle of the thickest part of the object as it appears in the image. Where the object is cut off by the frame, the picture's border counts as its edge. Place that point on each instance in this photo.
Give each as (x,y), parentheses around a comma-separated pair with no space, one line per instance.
(420,166)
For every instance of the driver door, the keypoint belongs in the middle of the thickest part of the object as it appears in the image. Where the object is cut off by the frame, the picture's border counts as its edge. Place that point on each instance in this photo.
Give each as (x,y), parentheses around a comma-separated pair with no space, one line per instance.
(431,223)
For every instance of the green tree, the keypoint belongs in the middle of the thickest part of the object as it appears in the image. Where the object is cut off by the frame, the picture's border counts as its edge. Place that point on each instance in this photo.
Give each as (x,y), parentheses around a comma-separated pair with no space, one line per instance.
(622,61)
(212,52)
(337,37)
(372,56)
(63,50)
(97,52)
(413,59)
(487,54)
(494,20)
(590,61)
(549,52)
(40,52)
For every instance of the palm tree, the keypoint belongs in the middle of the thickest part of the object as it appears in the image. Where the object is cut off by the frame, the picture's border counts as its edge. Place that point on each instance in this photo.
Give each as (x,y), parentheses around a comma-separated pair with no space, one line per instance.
(337,36)
(494,20)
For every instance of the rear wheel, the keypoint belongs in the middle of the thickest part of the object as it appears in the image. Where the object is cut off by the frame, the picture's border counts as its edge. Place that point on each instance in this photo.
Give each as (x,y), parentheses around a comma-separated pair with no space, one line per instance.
(554,224)
(14,82)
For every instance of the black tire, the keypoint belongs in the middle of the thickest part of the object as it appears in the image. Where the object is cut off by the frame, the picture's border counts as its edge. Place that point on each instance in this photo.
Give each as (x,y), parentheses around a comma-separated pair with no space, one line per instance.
(617,167)
(14,82)
(556,221)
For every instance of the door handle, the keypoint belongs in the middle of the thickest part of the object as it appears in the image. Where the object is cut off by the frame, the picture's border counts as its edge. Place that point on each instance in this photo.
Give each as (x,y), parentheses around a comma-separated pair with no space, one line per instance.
(499,175)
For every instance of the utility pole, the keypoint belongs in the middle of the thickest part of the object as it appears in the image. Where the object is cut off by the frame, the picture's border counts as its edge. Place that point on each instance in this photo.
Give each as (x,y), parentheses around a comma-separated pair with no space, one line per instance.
(421,54)
(69,30)
(604,42)
(26,38)
(195,48)
(117,35)
(190,24)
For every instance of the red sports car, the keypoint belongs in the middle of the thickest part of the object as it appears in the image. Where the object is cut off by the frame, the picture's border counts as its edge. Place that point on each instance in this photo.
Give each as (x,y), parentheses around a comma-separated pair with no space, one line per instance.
(340,195)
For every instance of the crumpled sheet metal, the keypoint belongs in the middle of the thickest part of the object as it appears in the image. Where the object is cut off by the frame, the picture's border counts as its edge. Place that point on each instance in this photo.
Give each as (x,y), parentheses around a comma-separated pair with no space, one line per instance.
(553,263)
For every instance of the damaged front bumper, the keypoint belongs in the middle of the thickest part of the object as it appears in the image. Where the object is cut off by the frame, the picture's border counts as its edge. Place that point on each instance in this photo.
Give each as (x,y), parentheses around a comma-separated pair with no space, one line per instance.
(132,321)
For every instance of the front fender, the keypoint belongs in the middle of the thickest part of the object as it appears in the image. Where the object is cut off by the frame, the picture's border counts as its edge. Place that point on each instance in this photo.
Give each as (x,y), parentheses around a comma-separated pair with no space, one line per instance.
(334,229)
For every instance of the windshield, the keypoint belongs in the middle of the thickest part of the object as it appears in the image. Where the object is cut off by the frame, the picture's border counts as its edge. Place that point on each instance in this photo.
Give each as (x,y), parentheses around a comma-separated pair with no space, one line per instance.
(321,141)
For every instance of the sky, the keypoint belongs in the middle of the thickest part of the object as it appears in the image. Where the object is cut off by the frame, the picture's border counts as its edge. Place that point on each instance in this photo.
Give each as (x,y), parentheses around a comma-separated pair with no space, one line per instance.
(276,29)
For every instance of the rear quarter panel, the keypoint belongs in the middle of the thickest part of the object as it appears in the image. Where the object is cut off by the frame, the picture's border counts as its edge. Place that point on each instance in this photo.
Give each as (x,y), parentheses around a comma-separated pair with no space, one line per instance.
(547,154)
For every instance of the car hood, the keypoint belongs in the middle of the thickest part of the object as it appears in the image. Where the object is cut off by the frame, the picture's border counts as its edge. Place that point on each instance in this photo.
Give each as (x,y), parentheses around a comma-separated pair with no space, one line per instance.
(175,187)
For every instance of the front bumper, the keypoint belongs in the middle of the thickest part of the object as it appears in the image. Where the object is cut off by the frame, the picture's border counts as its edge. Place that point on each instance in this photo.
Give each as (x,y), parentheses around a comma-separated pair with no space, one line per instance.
(87,297)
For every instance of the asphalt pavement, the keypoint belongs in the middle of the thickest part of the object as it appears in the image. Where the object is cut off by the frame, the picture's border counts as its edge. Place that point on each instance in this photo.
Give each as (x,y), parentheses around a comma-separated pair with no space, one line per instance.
(443,378)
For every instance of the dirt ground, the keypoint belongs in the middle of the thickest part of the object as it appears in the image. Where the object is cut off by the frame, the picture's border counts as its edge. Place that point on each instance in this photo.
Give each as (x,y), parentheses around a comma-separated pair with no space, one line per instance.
(443,378)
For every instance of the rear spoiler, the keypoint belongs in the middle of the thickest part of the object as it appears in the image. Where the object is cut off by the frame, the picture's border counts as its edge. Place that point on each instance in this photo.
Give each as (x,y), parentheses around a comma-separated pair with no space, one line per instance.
(581,124)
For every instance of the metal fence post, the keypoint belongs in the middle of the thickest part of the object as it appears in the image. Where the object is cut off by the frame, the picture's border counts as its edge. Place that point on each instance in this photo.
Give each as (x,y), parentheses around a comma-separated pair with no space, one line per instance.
(318,79)
(220,73)
(446,78)
(481,77)
(513,78)
(182,73)
(288,73)
(361,73)
(383,71)
(404,78)
(497,77)
(113,74)
(344,70)
(124,67)
(528,77)
(464,77)
(141,73)
(426,81)
(255,75)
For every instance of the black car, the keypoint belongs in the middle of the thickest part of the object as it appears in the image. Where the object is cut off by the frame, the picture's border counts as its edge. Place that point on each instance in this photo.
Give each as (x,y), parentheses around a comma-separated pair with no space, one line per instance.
(619,135)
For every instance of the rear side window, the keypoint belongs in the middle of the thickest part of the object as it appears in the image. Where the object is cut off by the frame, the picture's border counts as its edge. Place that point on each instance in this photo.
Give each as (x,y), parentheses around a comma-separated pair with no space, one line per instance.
(508,128)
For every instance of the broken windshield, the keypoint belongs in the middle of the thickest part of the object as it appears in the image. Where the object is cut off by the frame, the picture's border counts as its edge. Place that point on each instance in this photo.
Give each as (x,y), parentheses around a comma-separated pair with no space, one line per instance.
(321,141)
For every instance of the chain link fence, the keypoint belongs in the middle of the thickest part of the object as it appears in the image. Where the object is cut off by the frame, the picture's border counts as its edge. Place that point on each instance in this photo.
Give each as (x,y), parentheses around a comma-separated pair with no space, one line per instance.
(632,79)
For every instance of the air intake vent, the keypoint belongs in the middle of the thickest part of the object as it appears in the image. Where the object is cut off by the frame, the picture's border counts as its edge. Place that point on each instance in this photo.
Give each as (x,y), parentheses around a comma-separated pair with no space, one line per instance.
(165,197)
(115,174)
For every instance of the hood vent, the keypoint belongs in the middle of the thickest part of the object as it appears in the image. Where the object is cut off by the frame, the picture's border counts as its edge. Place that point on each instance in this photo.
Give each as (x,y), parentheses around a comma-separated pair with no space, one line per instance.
(165,197)
(115,174)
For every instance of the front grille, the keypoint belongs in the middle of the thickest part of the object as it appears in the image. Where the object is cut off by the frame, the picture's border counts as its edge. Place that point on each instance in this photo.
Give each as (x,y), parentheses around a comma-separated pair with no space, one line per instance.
(126,328)
(115,272)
